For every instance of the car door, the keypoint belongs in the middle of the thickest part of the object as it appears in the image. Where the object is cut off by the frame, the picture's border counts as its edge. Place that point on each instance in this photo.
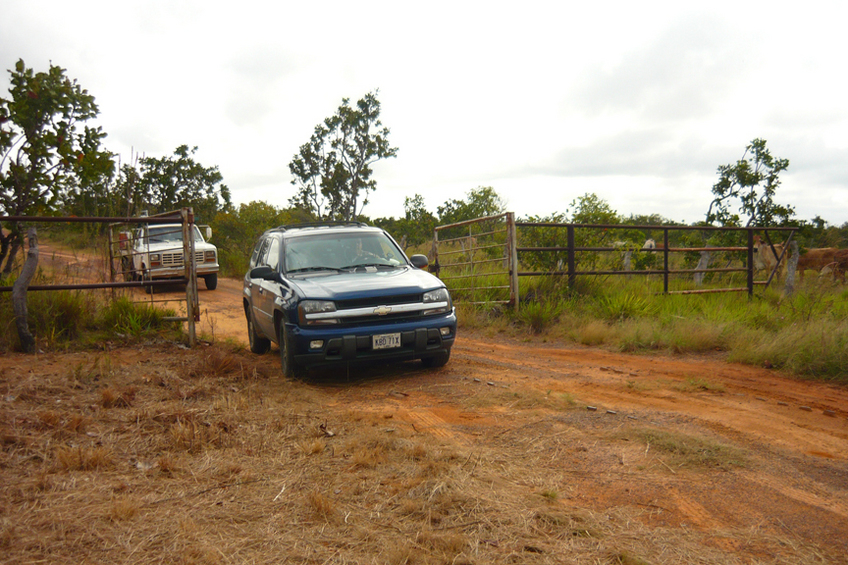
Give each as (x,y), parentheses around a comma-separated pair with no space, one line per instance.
(264,293)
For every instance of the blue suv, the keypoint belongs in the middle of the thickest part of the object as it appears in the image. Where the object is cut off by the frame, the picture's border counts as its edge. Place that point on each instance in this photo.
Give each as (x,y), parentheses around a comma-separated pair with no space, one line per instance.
(343,293)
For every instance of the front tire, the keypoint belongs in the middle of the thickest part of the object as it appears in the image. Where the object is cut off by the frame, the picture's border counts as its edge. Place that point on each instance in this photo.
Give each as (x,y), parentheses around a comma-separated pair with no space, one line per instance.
(290,369)
(438,360)
(148,278)
(211,281)
(258,344)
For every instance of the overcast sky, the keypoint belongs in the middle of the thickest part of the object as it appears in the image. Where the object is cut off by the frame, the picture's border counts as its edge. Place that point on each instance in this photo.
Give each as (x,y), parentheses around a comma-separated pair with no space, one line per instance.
(638,102)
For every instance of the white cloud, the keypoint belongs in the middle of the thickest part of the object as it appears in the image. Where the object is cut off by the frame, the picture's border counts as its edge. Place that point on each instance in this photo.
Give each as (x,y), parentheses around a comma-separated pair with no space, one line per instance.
(639,103)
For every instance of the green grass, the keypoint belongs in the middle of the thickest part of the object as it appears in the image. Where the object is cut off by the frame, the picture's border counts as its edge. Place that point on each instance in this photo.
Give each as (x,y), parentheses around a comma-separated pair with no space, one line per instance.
(684,451)
(60,318)
(805,333)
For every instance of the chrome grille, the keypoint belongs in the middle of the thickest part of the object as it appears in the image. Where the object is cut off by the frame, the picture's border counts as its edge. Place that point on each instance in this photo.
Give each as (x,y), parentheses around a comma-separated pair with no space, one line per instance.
(176,259)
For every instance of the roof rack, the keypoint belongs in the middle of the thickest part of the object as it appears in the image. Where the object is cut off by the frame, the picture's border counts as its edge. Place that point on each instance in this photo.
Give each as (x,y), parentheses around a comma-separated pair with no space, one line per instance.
(322,225)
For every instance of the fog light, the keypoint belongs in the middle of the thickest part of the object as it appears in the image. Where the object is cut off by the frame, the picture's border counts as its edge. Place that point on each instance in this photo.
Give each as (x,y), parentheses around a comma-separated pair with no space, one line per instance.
(444,331)
(316,344)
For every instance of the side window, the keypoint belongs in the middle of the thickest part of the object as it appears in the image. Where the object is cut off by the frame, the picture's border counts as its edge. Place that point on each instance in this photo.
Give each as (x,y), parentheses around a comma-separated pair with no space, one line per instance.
(273,259)
(261,246)
(263,253)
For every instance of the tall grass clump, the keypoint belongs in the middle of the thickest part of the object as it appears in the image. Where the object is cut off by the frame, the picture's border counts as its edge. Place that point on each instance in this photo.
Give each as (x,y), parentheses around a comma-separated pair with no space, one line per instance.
(817,350)
(59,318)
(54,318)
(538,316)
(133,318)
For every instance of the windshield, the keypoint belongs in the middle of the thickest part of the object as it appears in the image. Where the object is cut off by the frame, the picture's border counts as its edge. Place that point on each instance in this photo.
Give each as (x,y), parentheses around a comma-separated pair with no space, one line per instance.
(341,251)
(170,234)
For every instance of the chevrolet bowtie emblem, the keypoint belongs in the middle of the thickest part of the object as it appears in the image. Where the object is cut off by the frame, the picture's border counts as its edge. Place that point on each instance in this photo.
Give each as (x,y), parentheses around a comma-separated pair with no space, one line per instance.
(382,310)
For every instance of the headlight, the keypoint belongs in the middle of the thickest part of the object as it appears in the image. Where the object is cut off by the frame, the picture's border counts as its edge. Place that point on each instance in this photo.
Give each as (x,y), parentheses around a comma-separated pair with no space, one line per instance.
(209,257)
(440,299)
(154,259)
(317,312)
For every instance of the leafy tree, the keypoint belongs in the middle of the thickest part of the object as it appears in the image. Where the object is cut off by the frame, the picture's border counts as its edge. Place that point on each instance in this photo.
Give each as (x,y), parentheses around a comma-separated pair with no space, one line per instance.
(332,172)
(236,231)
(587,209)
(179,181)
(480,202)
(592,209)
(749,186)
(43,154)
(418,222)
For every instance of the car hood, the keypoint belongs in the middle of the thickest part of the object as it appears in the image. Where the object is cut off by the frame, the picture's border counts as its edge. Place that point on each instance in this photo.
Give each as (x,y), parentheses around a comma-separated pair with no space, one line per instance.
(354,285)
(177,246)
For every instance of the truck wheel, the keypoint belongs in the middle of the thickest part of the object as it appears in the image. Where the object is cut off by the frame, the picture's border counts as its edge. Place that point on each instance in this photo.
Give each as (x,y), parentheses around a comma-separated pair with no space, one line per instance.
(290,369)
(258,344)
(126,269)
(147,278)
(211,281)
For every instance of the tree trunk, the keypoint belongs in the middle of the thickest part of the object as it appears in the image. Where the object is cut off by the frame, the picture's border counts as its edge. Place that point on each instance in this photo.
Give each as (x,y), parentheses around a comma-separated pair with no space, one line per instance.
(10,260)
(4,246)
(703,263)
(791,266)
(19,297)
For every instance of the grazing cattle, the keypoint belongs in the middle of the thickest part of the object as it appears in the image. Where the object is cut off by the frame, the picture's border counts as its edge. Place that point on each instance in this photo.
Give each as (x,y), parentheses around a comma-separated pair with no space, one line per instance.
(840,263)
(764,258)
(816,259)
(651,245)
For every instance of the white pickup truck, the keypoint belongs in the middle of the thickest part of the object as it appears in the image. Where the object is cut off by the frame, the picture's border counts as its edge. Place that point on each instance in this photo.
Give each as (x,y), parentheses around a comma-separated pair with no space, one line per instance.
(156,252)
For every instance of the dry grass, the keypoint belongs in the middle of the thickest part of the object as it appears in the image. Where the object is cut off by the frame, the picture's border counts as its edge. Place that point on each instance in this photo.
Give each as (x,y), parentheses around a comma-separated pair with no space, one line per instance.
(213,458)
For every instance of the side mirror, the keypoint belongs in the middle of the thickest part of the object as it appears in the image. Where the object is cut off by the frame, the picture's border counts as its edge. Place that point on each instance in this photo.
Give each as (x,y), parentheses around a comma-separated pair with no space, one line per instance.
(265,273)
(419,261)
(208,233)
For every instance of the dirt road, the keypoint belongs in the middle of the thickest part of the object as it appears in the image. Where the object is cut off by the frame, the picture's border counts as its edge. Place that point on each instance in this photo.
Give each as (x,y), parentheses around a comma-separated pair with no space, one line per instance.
(625,429)
(795,432)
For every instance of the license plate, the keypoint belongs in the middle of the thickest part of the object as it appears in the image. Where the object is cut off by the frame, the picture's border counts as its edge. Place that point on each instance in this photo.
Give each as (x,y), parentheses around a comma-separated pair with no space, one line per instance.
(385,341)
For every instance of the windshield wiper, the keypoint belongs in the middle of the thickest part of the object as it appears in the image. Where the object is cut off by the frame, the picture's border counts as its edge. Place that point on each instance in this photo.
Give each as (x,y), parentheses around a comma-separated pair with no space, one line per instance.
(305,269)
(371,265)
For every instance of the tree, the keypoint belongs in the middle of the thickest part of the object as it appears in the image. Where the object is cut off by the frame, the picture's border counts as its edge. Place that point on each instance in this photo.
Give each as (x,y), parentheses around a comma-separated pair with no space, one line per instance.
(418,222)
(479,202)
(179,181)
(42,153)
(332,172)
(237,229)
(749,186)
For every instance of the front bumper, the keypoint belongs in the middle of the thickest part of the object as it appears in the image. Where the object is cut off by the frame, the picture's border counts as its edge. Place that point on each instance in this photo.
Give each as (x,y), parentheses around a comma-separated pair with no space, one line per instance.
(179,272)
(418,339)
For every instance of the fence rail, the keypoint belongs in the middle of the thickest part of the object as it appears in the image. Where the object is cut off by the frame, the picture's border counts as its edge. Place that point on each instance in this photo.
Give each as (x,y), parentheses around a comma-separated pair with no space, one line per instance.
(477,248)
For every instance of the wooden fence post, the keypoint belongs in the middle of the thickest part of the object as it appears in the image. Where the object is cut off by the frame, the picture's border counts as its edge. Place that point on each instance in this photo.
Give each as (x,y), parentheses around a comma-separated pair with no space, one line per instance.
(190,263)
(512,257)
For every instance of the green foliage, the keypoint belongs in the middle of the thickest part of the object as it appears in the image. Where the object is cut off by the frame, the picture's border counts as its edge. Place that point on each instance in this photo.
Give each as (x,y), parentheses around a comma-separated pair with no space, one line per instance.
(539,315)
(175,182)
(57,318)
(123,316)
(588,209)
(479,202)
(749,185)
(236,230)
(806,333)
(679,450)
(418,222)
(332,172)
(43,154)
(624,305)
